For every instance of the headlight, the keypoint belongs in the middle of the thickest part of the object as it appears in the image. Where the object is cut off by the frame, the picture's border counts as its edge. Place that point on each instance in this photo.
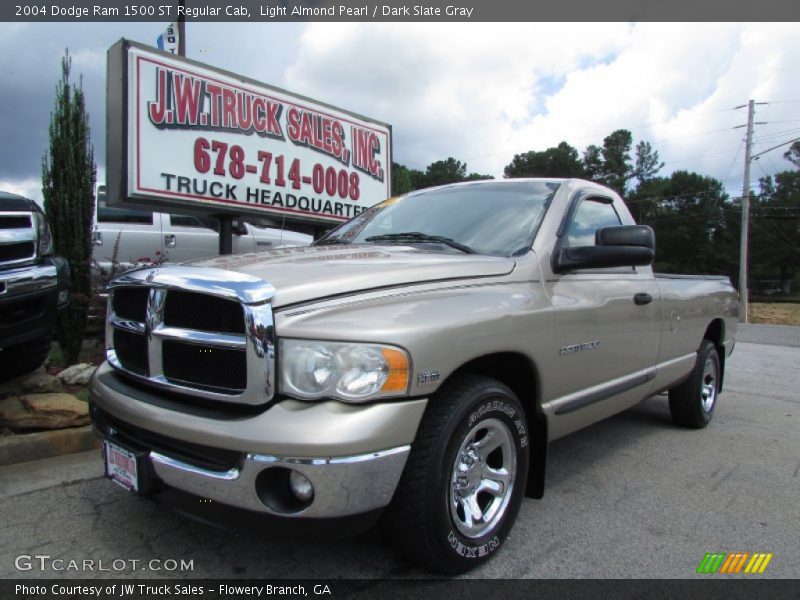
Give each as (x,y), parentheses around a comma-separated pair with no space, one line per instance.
(350,372)
(43,234)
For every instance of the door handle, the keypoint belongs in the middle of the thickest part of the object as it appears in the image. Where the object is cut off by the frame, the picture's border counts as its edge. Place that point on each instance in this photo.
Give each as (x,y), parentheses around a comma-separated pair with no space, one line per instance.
(642,298)
(170,241)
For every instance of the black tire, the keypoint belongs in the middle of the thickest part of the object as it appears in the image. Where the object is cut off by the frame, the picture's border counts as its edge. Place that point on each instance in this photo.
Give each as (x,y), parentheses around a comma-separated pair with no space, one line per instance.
(692,402)
(426,519)
(23,358)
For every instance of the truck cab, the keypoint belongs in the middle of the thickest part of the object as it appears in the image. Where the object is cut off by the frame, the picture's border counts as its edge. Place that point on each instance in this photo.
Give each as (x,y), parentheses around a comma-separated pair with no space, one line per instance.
(130,236)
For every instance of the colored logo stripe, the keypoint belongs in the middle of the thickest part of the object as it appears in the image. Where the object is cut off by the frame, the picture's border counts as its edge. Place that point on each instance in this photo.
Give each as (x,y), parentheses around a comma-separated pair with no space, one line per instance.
(758,563)
(711,562)
(734,562)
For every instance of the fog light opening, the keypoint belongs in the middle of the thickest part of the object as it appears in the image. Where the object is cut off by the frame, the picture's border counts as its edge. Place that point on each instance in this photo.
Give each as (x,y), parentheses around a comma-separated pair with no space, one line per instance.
(284,491)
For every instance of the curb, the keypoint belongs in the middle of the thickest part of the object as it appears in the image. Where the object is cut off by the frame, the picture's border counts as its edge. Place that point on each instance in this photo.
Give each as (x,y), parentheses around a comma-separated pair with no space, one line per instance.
(46,444)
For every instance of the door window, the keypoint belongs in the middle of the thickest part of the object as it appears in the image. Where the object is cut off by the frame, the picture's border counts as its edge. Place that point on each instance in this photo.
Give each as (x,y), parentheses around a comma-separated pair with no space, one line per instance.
(591,215)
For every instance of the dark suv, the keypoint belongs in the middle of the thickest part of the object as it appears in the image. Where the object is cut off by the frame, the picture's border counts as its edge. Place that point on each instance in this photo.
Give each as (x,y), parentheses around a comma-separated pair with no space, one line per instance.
(34,285)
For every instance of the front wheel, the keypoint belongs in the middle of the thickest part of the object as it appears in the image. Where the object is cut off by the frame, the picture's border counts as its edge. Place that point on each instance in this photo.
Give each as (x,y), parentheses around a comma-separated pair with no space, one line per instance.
(692,403)
(465,477)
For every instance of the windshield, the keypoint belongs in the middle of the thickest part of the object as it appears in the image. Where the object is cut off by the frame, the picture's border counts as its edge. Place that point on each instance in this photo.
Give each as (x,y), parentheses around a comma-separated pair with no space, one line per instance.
(492,218)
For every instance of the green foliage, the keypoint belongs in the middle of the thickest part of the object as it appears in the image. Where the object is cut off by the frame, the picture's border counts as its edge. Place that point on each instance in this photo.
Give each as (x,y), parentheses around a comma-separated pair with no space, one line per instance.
(401,179)
(616,153)
(774,231)
(688,213)
(445,171)
(793,154)
(593,162)
(647,162)
(440,172)
(68,177)
(561,161)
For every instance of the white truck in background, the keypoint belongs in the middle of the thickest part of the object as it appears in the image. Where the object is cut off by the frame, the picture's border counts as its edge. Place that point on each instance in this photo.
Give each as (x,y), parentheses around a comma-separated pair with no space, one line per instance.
(150,237)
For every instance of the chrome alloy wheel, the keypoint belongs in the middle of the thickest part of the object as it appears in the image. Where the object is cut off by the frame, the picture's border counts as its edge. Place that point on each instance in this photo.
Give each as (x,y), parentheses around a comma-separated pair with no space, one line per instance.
(482,478)
(708,384)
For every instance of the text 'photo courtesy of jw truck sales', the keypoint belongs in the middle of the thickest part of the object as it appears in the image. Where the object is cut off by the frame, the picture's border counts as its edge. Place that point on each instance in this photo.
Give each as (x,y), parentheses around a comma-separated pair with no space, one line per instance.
(412,365)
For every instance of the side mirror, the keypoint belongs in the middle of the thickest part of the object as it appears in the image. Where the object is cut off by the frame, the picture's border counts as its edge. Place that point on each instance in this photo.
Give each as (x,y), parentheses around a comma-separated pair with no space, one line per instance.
(626,235)
(621,246)
(239,228)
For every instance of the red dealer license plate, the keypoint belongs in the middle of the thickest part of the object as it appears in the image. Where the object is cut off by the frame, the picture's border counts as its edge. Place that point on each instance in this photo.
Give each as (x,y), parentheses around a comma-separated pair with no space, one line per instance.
(121,466)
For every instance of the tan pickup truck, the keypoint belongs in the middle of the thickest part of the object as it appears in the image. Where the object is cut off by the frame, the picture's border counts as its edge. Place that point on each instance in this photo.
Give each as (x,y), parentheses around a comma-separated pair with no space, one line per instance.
(412,365)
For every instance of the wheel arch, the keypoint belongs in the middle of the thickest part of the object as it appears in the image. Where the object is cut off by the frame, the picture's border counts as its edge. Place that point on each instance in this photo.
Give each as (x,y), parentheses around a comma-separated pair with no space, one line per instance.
(519,373)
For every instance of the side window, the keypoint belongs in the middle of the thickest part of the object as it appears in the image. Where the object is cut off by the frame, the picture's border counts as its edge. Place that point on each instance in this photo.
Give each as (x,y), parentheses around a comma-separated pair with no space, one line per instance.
(123,215)
(591,215)
(187,221)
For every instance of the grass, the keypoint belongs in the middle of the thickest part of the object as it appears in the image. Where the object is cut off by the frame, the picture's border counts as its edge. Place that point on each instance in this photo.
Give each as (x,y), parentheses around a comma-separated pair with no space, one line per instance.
(92,352)
(774,313)
(82,394)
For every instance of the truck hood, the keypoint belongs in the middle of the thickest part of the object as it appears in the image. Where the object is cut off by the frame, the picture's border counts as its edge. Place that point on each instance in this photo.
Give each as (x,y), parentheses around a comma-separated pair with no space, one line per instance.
(302,274)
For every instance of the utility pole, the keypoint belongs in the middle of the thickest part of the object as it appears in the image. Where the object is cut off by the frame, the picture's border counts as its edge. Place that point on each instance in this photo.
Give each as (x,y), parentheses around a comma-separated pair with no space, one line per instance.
(182,28)
(745,235)
(744,241)
(225,220)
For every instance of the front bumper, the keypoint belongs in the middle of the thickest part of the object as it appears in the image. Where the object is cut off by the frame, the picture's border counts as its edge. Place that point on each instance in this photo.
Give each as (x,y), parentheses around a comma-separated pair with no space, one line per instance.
(352,455)
(30,297)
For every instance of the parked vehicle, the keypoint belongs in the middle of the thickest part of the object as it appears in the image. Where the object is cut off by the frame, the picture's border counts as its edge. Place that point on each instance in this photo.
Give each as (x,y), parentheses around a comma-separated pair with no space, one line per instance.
(413,364)
(137,236)
(34,285)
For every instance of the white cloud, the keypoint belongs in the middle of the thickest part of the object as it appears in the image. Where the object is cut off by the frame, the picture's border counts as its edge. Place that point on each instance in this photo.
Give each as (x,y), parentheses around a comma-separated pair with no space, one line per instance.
(480,92)
(483,92)
(29,188)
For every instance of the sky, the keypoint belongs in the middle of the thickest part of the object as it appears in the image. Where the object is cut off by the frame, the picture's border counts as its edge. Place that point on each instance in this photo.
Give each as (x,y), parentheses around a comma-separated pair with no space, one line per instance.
(479,92)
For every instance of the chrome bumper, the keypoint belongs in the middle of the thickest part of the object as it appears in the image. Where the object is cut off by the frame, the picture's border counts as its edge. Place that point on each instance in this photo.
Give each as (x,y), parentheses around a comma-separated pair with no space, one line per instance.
(352,455)
(27,279)
(343,486)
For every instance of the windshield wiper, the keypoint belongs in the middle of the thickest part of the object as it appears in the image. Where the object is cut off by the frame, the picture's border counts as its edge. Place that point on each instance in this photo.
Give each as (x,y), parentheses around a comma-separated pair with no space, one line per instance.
(416,236)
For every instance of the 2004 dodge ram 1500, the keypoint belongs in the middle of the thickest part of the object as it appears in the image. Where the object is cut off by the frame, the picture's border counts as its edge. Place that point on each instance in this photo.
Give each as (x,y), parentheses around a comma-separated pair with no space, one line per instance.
(414,363)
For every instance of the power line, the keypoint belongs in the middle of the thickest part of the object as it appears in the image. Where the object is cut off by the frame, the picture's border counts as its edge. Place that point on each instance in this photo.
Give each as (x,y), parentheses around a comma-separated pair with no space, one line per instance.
(774,147)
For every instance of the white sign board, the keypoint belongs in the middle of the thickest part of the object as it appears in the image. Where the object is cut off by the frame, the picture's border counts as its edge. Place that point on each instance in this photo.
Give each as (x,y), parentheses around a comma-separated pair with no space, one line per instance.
(188,136)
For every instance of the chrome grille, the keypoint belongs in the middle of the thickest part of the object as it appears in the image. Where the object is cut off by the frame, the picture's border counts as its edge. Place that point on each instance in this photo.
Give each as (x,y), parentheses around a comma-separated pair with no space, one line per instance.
(197,331)
(17,238)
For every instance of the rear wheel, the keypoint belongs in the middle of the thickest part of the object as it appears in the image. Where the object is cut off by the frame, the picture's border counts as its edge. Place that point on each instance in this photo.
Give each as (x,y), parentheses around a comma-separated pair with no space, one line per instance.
(465,477)
(692,403)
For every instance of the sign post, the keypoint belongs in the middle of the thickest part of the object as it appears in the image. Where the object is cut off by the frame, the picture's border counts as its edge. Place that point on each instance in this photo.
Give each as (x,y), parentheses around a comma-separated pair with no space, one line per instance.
(186,136)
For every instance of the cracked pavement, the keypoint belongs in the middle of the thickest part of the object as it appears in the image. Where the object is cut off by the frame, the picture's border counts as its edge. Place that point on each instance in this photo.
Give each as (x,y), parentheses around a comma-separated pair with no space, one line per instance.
(632,496)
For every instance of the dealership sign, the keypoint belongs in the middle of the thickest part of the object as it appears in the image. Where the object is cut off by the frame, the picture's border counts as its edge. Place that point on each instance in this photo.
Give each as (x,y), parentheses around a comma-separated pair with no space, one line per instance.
(183,135)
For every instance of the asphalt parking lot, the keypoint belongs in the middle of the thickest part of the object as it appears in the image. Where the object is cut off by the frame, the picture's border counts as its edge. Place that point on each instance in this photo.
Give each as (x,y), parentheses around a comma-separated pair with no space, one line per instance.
(631,497)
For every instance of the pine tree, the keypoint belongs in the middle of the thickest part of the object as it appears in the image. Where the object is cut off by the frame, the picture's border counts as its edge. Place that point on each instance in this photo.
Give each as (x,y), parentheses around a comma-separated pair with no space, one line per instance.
(68,177)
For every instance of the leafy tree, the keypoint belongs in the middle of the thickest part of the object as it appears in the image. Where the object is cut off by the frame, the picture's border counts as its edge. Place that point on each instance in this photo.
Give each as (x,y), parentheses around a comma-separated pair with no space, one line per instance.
(593,162)
(774,231)
(401,179)
(477,177)
(647,162)
(442,172)
(793,154)
(561,161)
(68,177)
(616,154)
(419,179)
(445,171)
(688,213)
